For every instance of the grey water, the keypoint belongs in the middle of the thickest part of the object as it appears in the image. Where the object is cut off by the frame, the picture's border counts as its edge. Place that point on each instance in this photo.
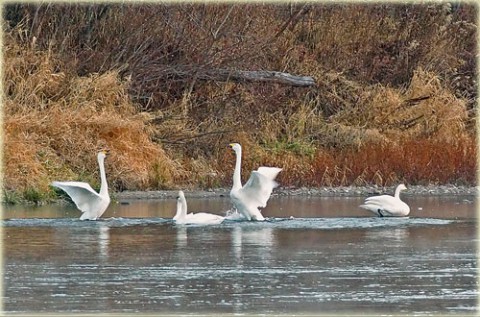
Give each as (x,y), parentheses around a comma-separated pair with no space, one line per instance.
(313,255)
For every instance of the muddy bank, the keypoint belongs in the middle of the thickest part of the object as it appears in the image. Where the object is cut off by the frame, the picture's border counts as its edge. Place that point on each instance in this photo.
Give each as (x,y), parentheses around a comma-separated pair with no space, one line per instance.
(347,191)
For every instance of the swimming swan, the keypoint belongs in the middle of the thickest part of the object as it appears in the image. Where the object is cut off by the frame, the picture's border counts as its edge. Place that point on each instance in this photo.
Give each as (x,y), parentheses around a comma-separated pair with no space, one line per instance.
(91,203)
(386,205)
(256,192)
(179,214)
(201,218)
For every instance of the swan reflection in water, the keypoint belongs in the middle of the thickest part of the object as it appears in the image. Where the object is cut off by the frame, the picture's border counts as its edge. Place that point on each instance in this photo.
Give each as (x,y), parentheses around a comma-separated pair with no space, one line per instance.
(263,239)
(97,237)
(397,234)
(259,245)
(103,242)
(181,241)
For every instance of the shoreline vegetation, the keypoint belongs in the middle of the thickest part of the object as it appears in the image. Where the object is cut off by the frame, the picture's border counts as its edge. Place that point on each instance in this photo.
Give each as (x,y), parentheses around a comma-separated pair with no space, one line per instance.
(340,191)
(394,99)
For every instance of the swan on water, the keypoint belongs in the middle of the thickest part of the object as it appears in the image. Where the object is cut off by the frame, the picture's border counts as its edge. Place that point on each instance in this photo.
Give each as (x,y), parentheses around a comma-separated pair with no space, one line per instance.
(179,214)
(256,192)
(201,218)
(386,205)
(91,204)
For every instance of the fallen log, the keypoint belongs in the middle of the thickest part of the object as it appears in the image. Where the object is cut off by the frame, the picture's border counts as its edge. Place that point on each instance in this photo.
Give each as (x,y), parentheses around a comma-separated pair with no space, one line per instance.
(219,74)
(262,75)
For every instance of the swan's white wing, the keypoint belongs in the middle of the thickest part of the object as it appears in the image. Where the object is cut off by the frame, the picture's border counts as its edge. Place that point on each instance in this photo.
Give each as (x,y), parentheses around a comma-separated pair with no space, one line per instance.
(177,216)
(257,190)
(379,198)
(246,206)
(205,218)
(201,218)
(387,204)
(82,194)
(378,210)
(270,172)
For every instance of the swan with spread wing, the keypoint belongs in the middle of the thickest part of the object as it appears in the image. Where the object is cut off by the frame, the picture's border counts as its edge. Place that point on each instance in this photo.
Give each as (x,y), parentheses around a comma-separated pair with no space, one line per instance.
(91,204)
(247,199)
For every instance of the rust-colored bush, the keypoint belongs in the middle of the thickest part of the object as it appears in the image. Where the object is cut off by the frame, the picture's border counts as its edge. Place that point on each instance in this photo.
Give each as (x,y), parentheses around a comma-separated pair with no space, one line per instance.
(414,161)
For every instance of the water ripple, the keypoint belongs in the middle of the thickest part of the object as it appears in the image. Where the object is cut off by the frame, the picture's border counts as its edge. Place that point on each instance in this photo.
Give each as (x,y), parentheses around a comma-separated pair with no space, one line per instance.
(281,223)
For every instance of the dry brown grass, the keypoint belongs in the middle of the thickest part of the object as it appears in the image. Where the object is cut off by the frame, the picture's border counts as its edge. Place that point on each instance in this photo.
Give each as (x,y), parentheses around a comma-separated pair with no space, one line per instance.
(426,108)
(394,100)
(55,123)
(424,161)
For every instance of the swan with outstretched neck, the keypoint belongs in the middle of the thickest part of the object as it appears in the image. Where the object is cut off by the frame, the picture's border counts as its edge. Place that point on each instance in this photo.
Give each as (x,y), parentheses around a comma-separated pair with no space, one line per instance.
(255,193)
(89,202)
(202,218)
(386,205)
(181,201)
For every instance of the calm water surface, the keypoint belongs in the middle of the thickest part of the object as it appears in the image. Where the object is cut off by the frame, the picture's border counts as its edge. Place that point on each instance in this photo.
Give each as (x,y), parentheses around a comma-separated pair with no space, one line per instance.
(331,257)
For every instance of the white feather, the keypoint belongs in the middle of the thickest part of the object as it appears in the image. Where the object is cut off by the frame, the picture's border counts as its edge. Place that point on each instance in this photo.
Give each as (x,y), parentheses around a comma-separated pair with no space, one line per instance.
(255,193)
(90,203)
(201,218)
(386,205)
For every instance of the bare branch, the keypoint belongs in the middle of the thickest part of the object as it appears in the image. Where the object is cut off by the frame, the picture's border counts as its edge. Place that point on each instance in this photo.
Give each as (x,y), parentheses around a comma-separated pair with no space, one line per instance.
(215,34)
(292,21)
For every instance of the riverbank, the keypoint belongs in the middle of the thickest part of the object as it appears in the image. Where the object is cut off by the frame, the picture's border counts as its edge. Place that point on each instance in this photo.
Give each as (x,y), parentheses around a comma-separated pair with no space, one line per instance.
(374,116)
(343,191)
(340,191)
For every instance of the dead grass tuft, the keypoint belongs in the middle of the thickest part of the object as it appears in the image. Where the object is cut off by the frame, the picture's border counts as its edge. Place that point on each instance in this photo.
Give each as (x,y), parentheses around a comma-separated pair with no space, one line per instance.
(425,109)
(56,136)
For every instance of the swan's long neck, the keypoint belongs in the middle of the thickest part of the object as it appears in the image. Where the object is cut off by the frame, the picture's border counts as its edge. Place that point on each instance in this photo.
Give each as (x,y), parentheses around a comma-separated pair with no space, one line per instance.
(103,177)
(397,192)
(237,181)
(181,208)
(179,214)
(184,207)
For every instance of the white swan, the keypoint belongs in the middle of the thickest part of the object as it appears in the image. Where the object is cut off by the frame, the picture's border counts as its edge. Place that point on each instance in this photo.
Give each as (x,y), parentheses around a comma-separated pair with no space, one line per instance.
(201,218)
(256,192)
(180,214)
(91,203)
(386,205)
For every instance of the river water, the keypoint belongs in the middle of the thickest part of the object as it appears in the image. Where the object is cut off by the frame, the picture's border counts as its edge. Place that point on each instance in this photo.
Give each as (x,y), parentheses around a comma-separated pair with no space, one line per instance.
(313,255)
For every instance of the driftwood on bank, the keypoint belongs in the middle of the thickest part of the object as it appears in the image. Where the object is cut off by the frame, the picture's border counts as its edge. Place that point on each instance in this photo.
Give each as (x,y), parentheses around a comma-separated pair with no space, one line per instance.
(235,75)
(262,75)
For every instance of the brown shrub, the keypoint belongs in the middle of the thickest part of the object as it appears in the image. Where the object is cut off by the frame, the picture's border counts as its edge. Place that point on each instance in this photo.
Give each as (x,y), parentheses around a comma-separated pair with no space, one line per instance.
(425,109)
(55,134)
(414,161)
